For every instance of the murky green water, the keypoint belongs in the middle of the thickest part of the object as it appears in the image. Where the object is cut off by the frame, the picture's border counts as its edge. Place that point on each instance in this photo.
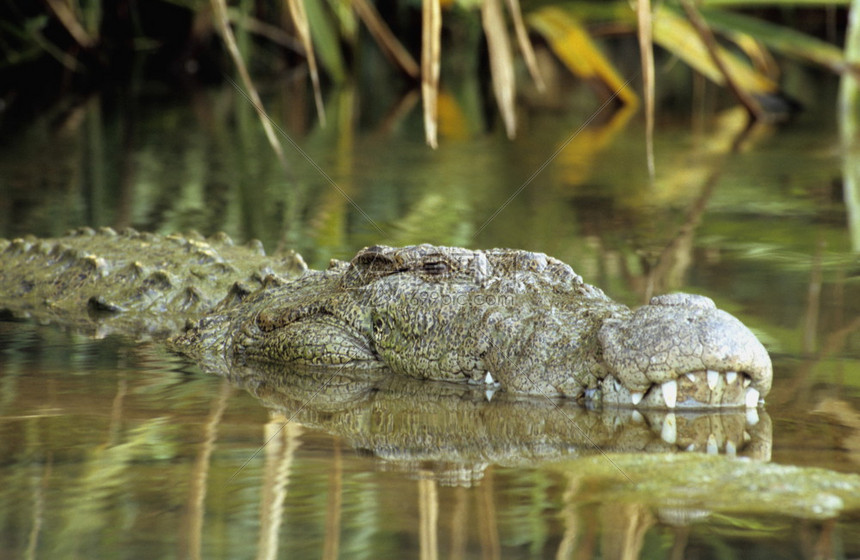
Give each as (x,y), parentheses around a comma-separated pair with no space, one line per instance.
(114,448)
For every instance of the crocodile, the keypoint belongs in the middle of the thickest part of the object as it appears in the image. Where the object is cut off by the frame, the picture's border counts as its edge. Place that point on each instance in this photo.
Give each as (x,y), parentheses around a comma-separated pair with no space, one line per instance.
(510,320)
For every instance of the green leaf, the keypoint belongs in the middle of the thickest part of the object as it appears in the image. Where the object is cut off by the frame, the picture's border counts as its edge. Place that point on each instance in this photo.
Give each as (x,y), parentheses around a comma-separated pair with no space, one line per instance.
(326,39)
(779,38)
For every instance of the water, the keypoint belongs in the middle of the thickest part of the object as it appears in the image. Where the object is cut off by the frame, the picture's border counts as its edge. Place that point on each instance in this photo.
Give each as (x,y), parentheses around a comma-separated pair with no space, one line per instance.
(115,448)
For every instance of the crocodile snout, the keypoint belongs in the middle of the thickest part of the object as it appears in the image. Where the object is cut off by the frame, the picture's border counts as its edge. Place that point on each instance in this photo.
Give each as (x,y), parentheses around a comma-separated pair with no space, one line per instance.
(680,350)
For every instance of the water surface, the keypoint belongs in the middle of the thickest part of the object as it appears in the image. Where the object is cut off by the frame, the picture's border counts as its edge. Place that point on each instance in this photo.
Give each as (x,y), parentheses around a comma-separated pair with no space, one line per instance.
(115,448)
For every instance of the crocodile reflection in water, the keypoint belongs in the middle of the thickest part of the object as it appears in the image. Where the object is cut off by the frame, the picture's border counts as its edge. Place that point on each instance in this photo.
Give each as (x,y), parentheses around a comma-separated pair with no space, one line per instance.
(521,320)
(705,462)
(408,423)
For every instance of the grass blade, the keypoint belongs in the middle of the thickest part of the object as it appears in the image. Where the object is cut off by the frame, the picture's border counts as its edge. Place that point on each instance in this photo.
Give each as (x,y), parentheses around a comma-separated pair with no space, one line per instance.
(300,19)
(849,86)
(707,38)
(326,39)
(386,40)
(646,52)
(266,30)
(222,21)
(501,63)
(849,125)
(431,51)
(525,44)
(31,31)
(70,21)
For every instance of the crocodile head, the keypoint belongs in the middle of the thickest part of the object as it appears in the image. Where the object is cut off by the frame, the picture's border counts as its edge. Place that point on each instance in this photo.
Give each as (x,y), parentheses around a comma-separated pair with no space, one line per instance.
(528,323)
(680,350)
(517,321)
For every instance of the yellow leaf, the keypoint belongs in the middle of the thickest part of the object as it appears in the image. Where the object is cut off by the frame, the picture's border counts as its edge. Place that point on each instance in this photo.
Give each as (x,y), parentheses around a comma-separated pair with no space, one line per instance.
(452,121)
(675,34)
(574,47)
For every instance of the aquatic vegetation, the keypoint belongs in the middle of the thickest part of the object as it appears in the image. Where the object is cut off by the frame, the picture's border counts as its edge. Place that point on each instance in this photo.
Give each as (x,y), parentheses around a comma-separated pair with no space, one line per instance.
(726,41)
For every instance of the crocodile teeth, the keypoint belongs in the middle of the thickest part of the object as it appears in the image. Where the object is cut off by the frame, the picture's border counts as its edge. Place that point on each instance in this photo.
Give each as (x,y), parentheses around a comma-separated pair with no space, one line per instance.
(747,382)
(712,448)
(669,432)
(670,393)
(691,377)
(731,450)
(751,398)
(752,417)
(489,379)
(635,398)
(713,377)
(637,417)
(731,376)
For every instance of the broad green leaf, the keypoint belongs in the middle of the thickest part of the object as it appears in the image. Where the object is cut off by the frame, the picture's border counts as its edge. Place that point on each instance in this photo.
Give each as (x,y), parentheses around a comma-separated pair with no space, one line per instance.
(779,38)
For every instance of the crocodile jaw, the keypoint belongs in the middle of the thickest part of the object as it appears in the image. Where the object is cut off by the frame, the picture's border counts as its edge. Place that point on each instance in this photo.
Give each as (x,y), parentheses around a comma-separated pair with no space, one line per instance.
(681,351)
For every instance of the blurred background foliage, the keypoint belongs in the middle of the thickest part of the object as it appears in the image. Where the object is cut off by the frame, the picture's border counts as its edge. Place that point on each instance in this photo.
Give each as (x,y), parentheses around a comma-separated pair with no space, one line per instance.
(56,47)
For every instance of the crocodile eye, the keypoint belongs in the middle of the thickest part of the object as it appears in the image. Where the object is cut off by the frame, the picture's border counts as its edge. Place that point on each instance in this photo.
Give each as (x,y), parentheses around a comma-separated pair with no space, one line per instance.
(373,258)
(434,267)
